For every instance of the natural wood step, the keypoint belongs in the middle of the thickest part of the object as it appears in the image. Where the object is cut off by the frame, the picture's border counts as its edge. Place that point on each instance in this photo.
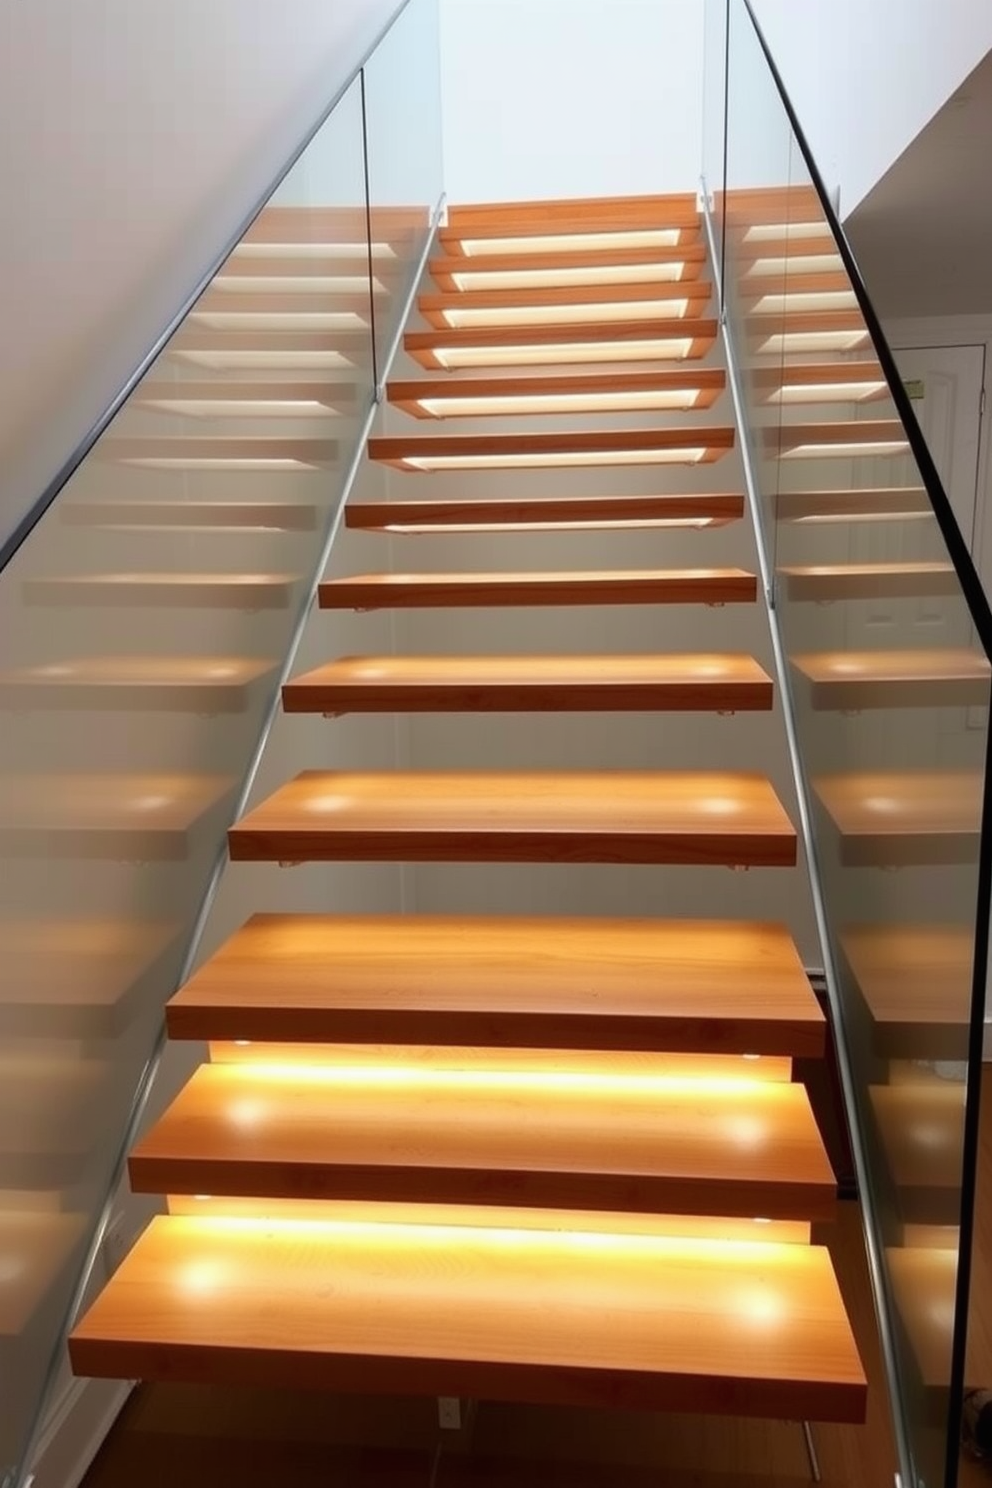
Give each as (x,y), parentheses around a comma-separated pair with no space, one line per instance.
(138,818)
(709,986)
(167,684)
(584,447)
(40,1247)
(832,581)
(269,351)
(620,1321)
(852,680)
(511,269)
(822,382)
(714,586)
(564,392)
(230,453)
(556,1137)
(545,513)
(581,213)
(235,302)
(816,331)
(900,818)
(236,398)
(174,591)
(856,439)
(924,1280)
(473,816)
(920,1127)
(494,684)
(545,345)
(916,982)
(583,304)
(874,503)
(253,516)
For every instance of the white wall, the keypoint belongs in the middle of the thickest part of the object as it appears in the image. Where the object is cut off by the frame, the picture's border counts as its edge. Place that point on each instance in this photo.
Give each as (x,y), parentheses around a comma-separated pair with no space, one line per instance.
(866,77)
(133,135)
(551,98)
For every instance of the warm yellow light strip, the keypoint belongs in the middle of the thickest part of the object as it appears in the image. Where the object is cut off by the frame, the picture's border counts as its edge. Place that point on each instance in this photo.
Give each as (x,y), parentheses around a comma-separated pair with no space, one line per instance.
(527,315)
(282,320)
(235,284)
(807,300)
(807,263)
(799,231)
(676,349)
(312,250)
(565,278)
(686,456)
(577,524)
(617,402)
(822,451)
(789,341)
(423,1078)
(241,407)
(224,462)
(275,361)
(822,392)
(825,519)
(587,242)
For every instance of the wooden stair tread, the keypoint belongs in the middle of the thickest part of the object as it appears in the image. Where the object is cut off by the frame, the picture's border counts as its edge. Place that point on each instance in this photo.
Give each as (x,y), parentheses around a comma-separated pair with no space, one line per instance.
(482,590)
(235,591)
(681,262)
(857,438)
(870,580)
(637,816)
(631,1320)
(916,982)
(108,815)
(488,1134)
(579,213)
(693,445)
(722,683)
(234,397)
(891,679)
(232,452)
(561,392)
(904,817)
(545,513)
(612,341)
(854,504)
(924,1288)
(197,683)
(708,985)
(581,303)
(287,516)
(37,1247)
(921,1126)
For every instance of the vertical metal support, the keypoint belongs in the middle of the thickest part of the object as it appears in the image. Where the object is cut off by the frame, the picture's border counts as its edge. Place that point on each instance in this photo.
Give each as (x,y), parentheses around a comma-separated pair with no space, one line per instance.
(814,1461)
(377,385)
(873,1247)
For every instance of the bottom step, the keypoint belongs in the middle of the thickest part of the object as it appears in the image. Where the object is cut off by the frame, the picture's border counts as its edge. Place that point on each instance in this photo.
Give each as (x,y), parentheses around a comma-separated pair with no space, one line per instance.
(590,1318)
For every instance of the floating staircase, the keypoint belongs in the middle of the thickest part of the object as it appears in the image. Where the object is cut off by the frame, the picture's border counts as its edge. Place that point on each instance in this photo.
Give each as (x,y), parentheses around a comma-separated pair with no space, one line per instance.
(547,1158)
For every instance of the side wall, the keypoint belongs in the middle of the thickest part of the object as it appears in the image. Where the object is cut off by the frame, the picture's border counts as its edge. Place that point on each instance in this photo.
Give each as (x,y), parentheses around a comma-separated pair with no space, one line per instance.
(134,136)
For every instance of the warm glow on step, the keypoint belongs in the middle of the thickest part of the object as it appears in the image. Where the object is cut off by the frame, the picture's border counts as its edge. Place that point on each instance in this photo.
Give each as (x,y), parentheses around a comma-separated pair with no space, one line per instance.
(298,284)
(786,342)
(551,354)
(602,402)
(240,407)
(689,455)
(575,524)
(312,250)
(235,360)
(796,231)
(586,242)
(282,320)
(782,304)
(524,315)
(851,447)
(566,278)
(824,392)
(813,263)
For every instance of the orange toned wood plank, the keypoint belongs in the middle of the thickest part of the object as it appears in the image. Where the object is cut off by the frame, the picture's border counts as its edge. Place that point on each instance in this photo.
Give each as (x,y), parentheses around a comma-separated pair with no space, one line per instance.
(791,441)
(629,340)
(795,278)
(337,226)
(870,580)
(635,817)
(672,1226)
(916,981)
(595,213)
(224,397)
(315,263)
(38,1248)
(482,590)
(642,263)
(179,591)
(413,1133)
(194,451)
(692,445)
(795,321)
(904,817)
(924,1281)
(429,684)
(921,1132)
(812,375)
(851,680)
(701,385)
(546,512)
(133,817)
(488,1313)
(82,978)
(207,684)
(123,515)
(234,299)
(706,985)
(595,301)
(853,505)
(789,205)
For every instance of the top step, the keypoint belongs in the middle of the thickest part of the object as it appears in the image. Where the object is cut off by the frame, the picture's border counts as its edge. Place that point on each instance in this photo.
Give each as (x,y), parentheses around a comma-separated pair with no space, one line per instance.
(567,225)
(513,267)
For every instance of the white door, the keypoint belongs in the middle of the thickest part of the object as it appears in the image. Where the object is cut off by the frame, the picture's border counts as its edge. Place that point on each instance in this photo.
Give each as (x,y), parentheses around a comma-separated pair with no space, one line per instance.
(945,385)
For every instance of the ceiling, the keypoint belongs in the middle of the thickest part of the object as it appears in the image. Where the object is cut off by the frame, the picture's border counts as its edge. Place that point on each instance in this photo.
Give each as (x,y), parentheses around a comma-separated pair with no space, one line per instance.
(923,234)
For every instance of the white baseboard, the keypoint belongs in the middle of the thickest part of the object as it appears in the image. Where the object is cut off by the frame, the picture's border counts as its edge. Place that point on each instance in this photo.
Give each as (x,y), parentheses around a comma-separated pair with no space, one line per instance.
(75,1431)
